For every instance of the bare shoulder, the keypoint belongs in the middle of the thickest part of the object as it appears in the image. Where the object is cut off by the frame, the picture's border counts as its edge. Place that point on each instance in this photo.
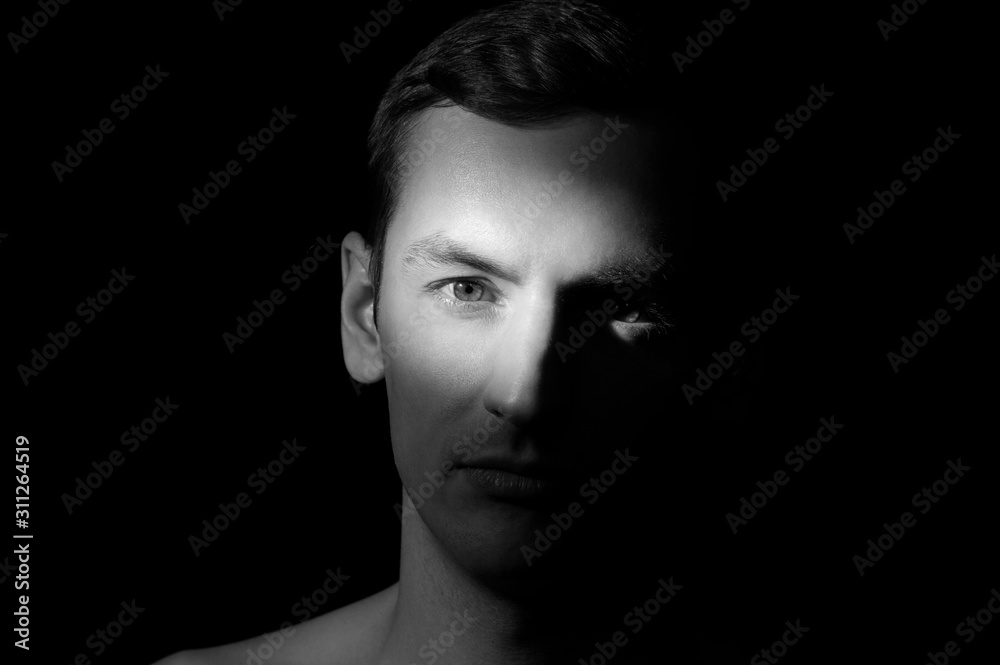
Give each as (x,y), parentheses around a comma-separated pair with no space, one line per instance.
(351,635)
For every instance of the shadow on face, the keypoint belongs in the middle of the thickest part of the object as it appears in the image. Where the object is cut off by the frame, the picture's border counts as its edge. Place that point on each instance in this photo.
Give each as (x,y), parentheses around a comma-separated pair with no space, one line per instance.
(532,323)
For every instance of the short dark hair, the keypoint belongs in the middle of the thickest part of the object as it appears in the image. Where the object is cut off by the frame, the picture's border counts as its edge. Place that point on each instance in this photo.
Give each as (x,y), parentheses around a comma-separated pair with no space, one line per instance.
(522,63)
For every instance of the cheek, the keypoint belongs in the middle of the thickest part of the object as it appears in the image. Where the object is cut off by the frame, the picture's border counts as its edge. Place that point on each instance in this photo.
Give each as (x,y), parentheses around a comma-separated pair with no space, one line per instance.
(422,369)
(430,375)
(432,357)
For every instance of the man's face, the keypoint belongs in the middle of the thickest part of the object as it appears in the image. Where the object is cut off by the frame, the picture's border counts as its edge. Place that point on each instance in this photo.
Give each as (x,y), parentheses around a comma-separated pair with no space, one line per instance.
(505,242)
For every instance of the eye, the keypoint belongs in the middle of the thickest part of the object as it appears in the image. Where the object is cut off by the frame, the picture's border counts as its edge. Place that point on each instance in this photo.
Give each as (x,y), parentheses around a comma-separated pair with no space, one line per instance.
(467,291)
(646,318)
(631,311)
(629,314)
(464,293)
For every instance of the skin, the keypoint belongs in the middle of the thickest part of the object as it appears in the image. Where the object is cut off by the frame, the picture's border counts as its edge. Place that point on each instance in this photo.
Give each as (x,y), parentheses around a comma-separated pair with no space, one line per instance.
(481,356)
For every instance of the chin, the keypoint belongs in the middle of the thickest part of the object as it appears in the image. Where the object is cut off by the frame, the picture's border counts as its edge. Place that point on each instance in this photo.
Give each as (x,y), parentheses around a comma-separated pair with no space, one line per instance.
(499,544)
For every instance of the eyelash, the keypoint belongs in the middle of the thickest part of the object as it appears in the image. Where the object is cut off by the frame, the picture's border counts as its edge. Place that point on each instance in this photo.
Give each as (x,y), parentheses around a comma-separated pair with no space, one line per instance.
(460,305)
(663,322)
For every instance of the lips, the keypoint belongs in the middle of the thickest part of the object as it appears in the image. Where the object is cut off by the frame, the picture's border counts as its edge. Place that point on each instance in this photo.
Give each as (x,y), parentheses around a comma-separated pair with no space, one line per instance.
(510,480)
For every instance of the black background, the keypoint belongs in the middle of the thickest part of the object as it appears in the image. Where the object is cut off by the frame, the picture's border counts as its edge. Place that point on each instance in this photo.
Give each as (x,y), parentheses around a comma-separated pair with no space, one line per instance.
(334,506)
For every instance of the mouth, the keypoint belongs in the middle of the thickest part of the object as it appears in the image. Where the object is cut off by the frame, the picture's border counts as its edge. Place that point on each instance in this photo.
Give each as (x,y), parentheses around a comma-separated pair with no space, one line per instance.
(506,480)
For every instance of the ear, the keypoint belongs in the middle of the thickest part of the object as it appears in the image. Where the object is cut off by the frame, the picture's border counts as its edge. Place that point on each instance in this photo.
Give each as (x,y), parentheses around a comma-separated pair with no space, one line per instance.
(362,347)
(747,370)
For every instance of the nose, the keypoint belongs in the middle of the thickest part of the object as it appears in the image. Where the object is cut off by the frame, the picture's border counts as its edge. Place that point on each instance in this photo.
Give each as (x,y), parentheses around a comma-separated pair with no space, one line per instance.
(521,387)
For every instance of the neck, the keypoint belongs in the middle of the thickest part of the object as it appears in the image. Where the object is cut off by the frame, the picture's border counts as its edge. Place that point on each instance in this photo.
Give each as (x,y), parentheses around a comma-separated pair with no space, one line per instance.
(443,610)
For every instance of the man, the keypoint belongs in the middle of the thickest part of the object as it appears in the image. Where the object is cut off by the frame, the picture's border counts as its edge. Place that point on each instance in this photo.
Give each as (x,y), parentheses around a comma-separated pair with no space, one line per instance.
(521,293)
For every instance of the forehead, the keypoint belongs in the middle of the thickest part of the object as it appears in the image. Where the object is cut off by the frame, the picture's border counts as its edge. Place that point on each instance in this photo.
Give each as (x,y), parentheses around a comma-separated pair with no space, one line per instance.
(587,186)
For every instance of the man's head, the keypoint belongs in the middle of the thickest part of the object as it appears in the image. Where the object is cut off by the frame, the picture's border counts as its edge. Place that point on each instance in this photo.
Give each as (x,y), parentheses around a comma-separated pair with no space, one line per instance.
(527,245)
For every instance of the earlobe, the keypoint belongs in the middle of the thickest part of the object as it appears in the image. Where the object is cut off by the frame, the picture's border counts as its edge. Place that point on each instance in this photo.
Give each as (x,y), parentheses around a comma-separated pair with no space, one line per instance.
(362,347)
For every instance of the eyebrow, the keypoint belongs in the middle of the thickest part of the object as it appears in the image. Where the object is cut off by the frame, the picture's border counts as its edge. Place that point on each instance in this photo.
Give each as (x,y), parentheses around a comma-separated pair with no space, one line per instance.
(437,250)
